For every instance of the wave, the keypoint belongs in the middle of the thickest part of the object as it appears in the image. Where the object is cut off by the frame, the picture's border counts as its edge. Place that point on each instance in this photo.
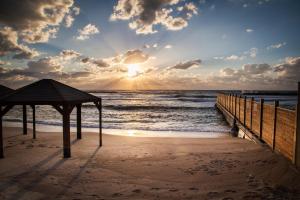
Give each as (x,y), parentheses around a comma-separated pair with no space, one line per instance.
(158,108)
(207,129)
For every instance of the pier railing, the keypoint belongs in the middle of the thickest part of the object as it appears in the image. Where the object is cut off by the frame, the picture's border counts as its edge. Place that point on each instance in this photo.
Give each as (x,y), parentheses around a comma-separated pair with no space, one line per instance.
(278,127)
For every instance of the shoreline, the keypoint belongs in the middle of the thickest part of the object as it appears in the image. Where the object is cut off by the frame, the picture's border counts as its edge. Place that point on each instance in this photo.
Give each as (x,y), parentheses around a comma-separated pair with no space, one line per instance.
(142,168)
(120,132)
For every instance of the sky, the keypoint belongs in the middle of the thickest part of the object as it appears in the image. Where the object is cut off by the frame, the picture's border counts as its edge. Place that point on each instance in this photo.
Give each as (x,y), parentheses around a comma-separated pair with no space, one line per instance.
(151,44)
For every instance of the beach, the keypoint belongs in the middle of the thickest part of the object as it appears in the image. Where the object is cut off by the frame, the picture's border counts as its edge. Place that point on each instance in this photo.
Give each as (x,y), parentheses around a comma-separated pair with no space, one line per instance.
(143,168)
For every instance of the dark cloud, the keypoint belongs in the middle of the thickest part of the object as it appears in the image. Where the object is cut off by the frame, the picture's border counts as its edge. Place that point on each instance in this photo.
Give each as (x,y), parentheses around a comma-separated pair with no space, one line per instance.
(145,14)
(186,65)
(9,45)
(35,20)
(69,54)
(134,57)
(290,70)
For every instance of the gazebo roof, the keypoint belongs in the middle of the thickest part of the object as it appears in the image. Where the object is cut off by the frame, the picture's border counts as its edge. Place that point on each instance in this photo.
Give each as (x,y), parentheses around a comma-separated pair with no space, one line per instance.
(48,92)
(5,91)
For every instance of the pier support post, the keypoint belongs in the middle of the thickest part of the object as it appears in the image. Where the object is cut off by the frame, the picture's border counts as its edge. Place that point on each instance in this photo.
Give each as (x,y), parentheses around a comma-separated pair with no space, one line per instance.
(78,109)
(235,96)
(296,159)
(24,120)
(251,112)
(239,108)
(261,112)
(245,109)
(234,129)
(276,104)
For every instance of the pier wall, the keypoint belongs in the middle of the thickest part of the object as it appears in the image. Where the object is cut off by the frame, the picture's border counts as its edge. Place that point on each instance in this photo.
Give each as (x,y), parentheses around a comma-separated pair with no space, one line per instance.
(277,127)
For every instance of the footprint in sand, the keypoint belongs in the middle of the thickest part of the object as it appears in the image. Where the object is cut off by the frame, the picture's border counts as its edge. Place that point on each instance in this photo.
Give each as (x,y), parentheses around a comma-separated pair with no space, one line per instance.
(137,191)
(212,194)
(230,191)
(117,194)
(29,146)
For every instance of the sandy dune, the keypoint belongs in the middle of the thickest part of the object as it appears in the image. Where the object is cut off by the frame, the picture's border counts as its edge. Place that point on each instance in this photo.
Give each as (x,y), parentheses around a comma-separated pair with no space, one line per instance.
(143,168)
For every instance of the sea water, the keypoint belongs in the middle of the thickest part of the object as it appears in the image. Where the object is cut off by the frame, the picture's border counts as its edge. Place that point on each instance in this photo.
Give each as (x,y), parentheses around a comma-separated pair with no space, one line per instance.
(143,113)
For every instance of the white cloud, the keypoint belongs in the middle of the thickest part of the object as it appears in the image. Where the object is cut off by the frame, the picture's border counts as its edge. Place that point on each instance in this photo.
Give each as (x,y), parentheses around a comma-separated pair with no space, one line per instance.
(87,31)
(168,46)
(276,46)
(234,58)
(249,30)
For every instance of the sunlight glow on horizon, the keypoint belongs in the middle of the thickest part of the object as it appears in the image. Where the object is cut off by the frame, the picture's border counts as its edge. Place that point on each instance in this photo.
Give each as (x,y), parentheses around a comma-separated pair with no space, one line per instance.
(132,70)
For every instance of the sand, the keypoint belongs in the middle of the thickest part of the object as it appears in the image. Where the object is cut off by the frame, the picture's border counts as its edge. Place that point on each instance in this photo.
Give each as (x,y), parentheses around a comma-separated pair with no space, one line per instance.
(143,168)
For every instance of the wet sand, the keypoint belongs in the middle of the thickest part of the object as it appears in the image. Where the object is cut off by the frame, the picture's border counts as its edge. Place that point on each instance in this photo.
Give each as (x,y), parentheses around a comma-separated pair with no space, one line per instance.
(143,168)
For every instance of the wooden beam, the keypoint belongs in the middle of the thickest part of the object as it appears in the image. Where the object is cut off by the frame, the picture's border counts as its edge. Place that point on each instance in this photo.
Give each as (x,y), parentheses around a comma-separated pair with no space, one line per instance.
(58,108)
(296,159)
(24,120)
(78,109)
(261,111)
(1,135)
(276,104)
(6,109)
(33,122)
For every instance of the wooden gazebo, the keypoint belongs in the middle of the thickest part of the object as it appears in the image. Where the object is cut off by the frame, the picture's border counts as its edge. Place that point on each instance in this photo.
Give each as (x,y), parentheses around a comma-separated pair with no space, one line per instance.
(4,91)
(50,92)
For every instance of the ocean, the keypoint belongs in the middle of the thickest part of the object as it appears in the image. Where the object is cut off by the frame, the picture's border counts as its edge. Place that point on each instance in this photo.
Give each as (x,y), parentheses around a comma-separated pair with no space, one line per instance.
(145,113)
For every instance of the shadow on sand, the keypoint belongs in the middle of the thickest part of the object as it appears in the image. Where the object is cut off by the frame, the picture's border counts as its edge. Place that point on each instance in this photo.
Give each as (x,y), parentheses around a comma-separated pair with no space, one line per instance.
(33,183)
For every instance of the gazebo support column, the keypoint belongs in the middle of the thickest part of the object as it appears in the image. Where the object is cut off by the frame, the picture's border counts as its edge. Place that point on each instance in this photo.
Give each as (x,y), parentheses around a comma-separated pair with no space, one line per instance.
(2,113)
(78,108)
(1,135)
(24,120)
(33,122)
(67,109)
(99,107)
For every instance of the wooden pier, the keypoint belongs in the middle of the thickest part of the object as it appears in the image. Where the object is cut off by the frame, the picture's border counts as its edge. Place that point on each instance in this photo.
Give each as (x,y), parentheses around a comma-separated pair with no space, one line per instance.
(278,127)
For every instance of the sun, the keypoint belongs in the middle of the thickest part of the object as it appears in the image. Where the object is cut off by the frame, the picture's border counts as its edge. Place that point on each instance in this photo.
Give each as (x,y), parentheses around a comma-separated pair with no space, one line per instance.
(133,70)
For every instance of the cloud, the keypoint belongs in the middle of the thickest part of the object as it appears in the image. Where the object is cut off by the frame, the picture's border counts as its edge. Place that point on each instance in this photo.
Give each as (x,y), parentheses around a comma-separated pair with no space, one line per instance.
(69,18)
(143,15)
(134,57)
(264,76)
(47,64)
(186,65)
(290,70)
(92,62)
(35,20)
(233,58)
(249,30)
(9,45)
(252,52)
(87,31)
(276,46)
(168,46)
(69,54)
